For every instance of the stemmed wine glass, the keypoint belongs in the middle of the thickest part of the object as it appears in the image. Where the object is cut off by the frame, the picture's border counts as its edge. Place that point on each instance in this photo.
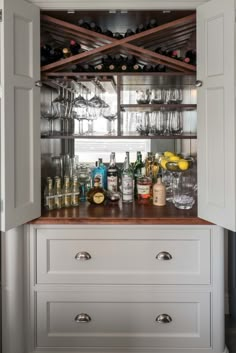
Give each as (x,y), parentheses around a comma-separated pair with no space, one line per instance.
(109,114)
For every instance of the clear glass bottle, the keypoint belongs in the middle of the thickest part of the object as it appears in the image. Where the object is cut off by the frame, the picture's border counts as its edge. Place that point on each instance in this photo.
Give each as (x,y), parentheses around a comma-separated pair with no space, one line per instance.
(112,174)
(58,193)
(66,192)
(159,193)
(127,181)
(49,200)
(96,195)
(75,191)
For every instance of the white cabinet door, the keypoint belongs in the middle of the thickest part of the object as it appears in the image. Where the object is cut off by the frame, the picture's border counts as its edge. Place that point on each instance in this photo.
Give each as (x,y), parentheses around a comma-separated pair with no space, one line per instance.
(216,113)
(20,113)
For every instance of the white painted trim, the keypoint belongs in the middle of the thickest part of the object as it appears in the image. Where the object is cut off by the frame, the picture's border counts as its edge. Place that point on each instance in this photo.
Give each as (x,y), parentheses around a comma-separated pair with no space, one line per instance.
(113,5)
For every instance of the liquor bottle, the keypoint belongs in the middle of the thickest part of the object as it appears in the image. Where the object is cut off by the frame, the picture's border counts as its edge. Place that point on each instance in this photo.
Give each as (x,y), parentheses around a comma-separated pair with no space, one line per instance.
(100,172)
(74,47)
(127,181)
(117,35)
(66,192)
(75,191)
(49,201)
(140,28)
(107,32)
(159,193)
(149,164)
(129,32)
(95,28)
(139,171)
(112,174)
(96,195)
(83,24)
(152,23)
(58,193)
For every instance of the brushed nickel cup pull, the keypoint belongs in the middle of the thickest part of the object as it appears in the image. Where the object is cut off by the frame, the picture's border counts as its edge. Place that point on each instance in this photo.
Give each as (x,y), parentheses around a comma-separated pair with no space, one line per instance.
(163,319)
(83,318)
(198,83)
(164,255)
(38,83)
(83,255)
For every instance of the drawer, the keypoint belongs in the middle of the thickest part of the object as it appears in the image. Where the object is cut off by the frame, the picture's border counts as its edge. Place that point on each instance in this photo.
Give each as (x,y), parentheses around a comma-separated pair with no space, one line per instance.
(119,318)
(123,255)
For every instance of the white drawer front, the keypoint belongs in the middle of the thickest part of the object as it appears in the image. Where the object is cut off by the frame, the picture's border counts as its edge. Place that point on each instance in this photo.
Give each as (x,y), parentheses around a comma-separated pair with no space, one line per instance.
(123,319)
(125,255)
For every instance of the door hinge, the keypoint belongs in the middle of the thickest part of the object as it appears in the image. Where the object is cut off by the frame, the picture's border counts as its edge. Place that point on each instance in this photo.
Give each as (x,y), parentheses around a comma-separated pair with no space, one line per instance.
(0,15)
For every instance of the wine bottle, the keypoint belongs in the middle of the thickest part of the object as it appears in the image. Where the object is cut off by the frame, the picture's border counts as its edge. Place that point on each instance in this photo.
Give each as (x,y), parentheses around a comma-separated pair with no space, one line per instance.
(139,170)
(160,68)
(45,54)
(107,60)
(99,68)
(83,24)
(66,53)
(88,68)
(161,51)
(131,60)
(107,32)
(95,28)
(74,47)
(129,32)
(148,68)
(190,57)
(136,68)
(118,35)
(152,23)
(140,28)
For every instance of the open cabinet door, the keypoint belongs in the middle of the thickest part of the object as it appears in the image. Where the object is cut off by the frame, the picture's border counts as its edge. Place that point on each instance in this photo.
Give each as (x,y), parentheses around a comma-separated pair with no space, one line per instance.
(20,113)
(216,113)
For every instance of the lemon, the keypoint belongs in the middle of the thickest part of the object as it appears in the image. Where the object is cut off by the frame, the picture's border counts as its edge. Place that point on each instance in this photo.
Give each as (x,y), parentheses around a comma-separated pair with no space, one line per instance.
(174,158)
(168,154)
(183,164)
(163,163)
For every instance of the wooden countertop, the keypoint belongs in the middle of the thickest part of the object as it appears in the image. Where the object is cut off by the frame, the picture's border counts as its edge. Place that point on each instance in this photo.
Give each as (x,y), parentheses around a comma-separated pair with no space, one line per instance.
(120,213)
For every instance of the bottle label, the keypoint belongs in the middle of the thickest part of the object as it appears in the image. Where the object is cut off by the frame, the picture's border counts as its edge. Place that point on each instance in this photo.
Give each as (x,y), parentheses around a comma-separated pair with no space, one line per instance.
(127,188)
(98,198)
(143,189)
(112,182)
(101,179)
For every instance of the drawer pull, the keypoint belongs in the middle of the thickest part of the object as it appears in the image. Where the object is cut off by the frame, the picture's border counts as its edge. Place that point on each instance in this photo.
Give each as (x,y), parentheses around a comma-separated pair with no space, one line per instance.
(83,318)
(164,255)
(163,319)
(83,255)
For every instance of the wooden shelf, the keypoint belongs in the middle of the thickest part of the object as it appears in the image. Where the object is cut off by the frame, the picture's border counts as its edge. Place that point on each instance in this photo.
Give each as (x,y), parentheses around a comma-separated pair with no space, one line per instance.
(118,213)
(154,107)
(96,44)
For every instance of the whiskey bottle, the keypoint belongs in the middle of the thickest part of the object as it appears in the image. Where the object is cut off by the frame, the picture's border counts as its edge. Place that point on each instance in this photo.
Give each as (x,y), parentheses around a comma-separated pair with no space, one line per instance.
(159,193)
(66,192)
(75,191)
(96,195)
(127,181)
(112,174)
(58,193)
(49,201)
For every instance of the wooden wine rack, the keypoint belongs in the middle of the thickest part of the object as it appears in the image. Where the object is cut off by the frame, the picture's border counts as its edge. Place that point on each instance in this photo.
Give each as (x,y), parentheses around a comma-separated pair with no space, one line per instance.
(175,33)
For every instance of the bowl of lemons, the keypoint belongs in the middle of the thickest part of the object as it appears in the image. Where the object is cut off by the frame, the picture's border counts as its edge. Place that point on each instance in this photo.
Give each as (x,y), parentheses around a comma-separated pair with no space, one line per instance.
(175,162)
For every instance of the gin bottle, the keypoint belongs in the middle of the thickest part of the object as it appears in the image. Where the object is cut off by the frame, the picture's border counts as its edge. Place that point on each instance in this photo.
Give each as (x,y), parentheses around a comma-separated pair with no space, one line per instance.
(127,181)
